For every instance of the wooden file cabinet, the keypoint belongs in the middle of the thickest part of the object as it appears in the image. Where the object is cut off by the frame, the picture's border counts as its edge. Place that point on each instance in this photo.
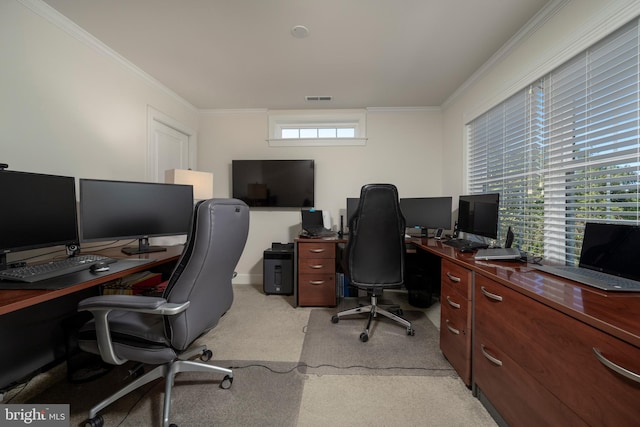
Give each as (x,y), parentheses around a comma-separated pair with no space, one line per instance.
(455,317)
(538,366)
(317,273)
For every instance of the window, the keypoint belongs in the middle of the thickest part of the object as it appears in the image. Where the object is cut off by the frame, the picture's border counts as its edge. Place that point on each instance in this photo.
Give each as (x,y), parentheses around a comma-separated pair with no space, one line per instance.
(565,150)
(317,128)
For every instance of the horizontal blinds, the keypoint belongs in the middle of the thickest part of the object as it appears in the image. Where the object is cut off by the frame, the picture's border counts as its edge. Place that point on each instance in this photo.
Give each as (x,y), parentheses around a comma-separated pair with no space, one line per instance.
(565,150)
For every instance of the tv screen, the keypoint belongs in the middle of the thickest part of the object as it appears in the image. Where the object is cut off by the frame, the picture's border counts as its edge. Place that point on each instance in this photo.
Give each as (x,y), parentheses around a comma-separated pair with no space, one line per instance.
(427,212)
(274,183)
(478,214)
(38,211)
(118,210)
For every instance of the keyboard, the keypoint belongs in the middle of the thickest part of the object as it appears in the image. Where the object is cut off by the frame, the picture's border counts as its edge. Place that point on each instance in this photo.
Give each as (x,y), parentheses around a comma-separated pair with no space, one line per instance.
(465,244)
(595,279)
(319,232)
(38,272)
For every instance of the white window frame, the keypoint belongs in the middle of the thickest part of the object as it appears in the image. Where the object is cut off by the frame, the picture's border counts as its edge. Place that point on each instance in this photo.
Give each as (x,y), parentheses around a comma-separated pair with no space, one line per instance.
(279,120)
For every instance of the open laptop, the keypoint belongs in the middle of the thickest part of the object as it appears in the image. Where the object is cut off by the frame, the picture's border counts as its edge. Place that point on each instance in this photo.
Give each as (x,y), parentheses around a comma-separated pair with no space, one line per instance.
(608,259)
(313,225)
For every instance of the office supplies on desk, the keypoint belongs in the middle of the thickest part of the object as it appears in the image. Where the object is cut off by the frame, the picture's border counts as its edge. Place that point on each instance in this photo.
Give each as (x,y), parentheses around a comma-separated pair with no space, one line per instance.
(608,258)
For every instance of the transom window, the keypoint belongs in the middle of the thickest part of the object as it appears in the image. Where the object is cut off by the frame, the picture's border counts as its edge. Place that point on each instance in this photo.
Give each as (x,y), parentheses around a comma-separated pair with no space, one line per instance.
(316,128)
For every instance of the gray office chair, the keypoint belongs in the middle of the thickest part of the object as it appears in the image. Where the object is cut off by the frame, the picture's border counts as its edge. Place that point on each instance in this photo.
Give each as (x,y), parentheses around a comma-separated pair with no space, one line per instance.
(375,251)
(160,330)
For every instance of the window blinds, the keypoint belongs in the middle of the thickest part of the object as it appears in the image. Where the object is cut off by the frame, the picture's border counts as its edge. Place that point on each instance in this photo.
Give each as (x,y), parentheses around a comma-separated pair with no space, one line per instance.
(565,150)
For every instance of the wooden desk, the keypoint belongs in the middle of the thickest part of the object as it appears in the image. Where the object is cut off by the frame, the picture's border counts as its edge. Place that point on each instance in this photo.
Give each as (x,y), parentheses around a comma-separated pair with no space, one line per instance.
(533,343)
(31,321)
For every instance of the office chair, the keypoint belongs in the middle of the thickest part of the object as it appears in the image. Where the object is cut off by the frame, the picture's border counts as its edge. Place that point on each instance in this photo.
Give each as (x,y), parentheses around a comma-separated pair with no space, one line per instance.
(375,251)
(160,330)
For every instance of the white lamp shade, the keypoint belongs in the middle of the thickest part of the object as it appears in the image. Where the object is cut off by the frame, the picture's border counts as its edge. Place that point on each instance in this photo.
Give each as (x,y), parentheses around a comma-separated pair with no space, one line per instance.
(202,182)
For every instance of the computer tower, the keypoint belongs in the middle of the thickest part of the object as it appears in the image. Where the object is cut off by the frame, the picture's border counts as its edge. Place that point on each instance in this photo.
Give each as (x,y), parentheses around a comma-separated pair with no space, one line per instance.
(278,269)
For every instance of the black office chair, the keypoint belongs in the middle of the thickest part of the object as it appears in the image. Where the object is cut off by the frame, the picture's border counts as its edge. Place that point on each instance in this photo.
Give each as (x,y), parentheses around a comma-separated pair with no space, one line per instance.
(160,330)
(375,251)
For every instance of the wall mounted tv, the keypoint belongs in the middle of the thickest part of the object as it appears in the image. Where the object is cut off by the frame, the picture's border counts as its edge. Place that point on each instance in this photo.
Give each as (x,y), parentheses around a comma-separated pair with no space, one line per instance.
(274,183)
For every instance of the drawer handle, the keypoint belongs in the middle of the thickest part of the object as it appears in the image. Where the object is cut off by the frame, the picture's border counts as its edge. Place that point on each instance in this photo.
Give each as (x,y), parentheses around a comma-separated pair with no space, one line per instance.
(451,303)
(453,278)
(316,266)
(452,329)
(316,282)
(616,368)
(488,294)
(490,357)
(317,251)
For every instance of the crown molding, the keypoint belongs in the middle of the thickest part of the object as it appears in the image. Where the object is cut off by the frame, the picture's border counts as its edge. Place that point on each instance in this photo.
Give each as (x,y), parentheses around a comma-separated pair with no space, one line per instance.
(56,18)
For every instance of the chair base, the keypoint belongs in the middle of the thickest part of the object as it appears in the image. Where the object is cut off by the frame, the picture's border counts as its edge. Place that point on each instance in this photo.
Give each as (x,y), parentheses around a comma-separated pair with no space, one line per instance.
(373,309)
(168,371)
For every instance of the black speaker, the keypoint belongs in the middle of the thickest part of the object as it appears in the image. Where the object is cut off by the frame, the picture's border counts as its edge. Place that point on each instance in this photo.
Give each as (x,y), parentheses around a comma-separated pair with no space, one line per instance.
(341,233)
(509,240)
(455,230)
(73,250)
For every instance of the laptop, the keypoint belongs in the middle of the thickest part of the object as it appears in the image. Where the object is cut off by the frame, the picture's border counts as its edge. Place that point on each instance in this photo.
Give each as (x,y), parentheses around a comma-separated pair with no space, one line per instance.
(497,254)
(313,225)
(608,259)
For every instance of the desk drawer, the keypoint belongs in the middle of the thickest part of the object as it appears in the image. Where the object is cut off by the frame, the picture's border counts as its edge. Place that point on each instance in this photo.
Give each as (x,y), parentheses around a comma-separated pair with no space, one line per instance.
(317,250)
(558,351)
(316,266)
(317,289)
(455,331)
(458,277)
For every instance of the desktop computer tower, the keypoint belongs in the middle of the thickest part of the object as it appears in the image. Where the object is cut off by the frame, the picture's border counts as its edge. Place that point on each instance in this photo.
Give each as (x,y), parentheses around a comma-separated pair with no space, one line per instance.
(278,269)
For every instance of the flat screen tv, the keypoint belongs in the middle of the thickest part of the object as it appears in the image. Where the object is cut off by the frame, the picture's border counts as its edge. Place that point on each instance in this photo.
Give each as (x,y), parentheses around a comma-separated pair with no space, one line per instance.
(38,211)
(119,210)
(478,214)
(274,183)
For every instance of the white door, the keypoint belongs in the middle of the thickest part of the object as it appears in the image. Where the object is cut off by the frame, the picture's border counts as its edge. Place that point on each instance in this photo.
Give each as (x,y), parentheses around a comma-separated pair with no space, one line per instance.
(168,149)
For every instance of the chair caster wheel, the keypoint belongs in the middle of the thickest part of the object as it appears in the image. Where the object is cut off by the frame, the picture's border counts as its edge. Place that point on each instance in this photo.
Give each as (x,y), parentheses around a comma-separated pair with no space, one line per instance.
(335,319)
(411,331)
(226,382)
(173,425)
(206,355)
(97,421)
(364,337)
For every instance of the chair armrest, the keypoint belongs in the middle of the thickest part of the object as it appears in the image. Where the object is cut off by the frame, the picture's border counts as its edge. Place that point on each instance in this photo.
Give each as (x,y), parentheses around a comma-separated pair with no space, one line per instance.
(139,303)
(101,306)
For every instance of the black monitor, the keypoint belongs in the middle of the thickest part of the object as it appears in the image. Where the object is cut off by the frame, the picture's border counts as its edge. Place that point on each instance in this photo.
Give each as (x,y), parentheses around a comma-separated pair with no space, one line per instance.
(38,211)
(427,212)
(478,214)
(118,210)
(352,207)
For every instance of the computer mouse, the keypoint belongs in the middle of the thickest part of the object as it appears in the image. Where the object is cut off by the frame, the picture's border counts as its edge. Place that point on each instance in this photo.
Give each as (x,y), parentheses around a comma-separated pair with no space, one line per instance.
(99,267)
(465,250)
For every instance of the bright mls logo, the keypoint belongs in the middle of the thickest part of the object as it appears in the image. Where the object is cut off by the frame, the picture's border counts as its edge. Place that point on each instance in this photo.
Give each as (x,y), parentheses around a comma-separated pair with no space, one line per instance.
(34,415)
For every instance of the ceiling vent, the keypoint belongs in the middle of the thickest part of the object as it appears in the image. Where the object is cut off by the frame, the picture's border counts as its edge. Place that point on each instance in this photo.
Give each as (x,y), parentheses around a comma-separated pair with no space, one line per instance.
(318,98)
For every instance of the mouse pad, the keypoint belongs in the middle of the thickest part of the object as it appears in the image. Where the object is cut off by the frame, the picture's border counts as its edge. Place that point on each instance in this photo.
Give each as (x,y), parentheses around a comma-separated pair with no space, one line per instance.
(71,279)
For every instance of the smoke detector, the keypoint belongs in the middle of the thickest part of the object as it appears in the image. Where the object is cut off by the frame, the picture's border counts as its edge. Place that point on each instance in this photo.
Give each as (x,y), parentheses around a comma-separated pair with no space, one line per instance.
(299,31)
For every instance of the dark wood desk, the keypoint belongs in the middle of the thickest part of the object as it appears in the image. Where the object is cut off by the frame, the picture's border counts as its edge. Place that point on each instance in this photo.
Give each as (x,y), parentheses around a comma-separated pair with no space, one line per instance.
(531,341)
(32,331)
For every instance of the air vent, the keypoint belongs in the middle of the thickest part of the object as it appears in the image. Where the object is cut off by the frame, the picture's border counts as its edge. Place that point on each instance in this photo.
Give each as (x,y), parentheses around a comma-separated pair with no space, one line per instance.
(318,98)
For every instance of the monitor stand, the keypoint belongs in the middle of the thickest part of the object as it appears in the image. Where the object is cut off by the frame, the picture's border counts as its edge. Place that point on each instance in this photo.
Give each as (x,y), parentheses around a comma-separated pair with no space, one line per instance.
(142,248)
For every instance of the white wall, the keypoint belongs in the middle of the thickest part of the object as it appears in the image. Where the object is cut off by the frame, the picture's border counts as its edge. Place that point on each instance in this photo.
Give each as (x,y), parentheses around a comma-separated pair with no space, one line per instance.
(404,148)
(575,26)
(68,108)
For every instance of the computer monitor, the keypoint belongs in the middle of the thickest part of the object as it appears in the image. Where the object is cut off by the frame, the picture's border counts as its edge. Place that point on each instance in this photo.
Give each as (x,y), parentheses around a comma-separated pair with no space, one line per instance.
(352,207)
(119,210)
(478,214)
(37,211)
(427,212)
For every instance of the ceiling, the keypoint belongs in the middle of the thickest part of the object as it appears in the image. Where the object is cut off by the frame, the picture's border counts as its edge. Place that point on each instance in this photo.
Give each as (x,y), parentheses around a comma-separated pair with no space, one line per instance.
(228,54)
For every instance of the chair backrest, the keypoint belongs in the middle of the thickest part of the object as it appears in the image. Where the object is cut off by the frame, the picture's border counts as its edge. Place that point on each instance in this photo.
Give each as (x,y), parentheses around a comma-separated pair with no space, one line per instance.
(203,275)
(376,248)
